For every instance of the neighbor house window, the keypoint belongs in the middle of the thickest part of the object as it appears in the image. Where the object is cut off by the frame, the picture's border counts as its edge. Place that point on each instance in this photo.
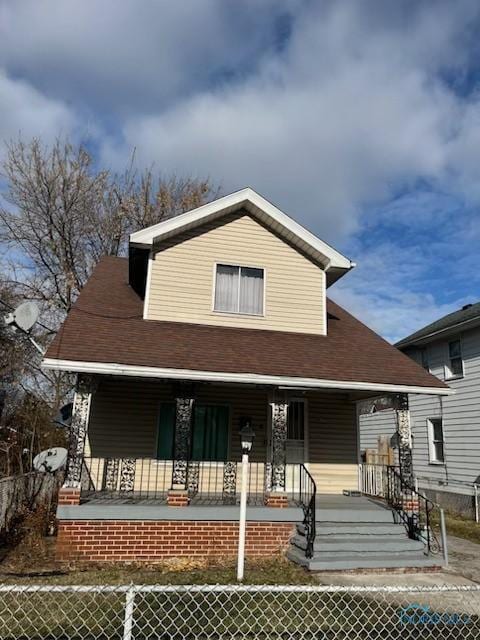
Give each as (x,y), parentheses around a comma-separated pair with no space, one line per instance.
(455,365)
(424,356)
(239,289)
(435,440)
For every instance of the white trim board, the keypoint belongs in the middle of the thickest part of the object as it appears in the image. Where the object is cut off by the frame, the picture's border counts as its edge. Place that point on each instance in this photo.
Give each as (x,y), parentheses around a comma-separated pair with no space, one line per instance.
(113,368)
(260,208)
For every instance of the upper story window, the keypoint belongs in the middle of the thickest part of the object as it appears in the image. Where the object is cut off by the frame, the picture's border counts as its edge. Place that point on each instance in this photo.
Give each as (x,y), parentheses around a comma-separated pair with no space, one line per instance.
(239,289)
(435,440)
(455,365)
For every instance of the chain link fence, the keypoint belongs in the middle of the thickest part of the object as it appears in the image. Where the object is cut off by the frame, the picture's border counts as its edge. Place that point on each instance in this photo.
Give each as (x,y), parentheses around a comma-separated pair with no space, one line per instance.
(238,612)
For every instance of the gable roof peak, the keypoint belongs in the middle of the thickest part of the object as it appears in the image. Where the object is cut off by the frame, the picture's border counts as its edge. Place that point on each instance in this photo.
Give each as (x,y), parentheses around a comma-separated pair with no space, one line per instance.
(331,260)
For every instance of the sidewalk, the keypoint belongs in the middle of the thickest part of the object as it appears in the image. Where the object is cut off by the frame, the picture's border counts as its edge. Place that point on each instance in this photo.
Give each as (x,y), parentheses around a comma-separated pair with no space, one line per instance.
(464,568)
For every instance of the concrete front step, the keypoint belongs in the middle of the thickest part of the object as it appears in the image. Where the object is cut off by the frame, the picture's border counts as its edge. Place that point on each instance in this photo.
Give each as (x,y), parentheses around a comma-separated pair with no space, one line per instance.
(347,529)
(374,544)
(373,513)
(333,562)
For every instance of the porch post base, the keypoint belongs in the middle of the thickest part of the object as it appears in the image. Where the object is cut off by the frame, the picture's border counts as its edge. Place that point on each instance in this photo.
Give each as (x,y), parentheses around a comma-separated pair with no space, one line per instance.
(178,498)
(69,497)
(277,499)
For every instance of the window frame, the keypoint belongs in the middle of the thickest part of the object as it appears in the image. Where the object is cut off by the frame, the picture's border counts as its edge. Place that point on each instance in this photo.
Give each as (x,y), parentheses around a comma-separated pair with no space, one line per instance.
(449,374)
(239,267)
(432,442)
(424,360)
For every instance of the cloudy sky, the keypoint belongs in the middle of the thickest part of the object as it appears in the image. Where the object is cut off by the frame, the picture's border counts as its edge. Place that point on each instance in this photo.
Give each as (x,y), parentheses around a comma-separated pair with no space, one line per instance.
(359,118)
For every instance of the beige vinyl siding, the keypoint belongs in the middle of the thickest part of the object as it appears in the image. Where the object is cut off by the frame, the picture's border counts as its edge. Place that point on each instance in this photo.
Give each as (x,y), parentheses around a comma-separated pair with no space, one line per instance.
(124,416)
(183,270)
(332,442)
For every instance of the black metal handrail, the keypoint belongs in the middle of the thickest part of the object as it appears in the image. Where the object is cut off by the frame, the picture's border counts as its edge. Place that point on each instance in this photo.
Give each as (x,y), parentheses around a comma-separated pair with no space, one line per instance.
(307,499)
(413,508)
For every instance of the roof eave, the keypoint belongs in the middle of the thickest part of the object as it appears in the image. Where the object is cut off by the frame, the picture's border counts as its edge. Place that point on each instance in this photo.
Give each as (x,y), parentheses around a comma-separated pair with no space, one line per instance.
(434,335)
(255,204)
(112,368)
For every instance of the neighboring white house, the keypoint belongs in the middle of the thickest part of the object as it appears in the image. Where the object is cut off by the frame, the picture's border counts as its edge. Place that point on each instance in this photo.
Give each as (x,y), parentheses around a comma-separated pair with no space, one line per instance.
(446,431)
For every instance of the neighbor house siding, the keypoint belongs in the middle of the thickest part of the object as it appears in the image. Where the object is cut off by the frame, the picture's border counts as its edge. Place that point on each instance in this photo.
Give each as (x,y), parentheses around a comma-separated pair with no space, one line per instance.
(461,420)
(374,425)
(182,278)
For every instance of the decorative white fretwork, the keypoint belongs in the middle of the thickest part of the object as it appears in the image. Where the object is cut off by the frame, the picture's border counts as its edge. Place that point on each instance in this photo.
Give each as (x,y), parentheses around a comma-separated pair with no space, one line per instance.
(183,427)
(110,474)
(193,477)
(127,475)
(78,430)
(229,482)
(279,439)
(404,433)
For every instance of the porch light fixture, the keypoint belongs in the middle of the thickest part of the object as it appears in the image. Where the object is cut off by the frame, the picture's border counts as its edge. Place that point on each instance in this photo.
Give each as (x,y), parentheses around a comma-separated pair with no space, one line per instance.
(246,439)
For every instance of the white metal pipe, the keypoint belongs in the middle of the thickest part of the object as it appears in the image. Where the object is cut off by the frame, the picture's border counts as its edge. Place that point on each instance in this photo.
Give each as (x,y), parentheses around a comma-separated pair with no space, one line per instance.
(443,530)
(475,489)
(243,519)
(128,615)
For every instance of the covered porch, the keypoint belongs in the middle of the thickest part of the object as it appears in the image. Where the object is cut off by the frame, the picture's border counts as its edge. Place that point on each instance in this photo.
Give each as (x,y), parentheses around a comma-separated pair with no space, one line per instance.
(161,459)
(152,441)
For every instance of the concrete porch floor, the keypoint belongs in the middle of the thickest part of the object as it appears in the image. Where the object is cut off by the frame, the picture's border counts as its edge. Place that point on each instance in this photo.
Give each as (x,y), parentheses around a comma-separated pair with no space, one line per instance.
(329,508)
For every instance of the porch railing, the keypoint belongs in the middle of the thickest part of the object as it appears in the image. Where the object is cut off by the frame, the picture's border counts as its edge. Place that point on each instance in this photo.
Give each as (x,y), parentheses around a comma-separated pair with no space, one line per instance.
(374,480)
(126,478)
(412,508)
(308,497)
(207,481)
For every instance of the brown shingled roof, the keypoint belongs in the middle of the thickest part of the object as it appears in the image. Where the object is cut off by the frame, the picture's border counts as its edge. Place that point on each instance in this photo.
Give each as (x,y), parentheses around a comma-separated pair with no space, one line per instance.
(106,325)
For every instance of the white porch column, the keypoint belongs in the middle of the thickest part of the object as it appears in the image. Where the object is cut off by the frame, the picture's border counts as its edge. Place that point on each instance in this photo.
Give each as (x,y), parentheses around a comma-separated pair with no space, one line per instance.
(404,434)
(279,440)
(85,388)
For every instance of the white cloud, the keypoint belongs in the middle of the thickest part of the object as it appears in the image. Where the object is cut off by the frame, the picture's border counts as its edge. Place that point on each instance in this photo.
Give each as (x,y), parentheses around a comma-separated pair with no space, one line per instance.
(329,123)
(352,110)
(24,111)
(133,56)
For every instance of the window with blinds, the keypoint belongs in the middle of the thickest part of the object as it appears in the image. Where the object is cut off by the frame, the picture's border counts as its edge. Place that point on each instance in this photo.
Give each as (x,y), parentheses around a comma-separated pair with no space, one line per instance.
(239,289)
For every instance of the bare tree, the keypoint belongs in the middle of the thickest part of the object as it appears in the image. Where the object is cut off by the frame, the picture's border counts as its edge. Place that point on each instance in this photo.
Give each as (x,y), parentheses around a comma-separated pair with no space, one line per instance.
(62,214)
(59,214)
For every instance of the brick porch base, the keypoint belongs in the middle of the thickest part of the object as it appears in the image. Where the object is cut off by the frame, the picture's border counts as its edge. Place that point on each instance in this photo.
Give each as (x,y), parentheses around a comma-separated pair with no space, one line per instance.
(153,540)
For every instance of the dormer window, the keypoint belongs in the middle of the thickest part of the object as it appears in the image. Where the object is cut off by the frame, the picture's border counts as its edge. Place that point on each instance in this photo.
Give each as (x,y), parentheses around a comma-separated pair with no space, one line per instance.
(239,289)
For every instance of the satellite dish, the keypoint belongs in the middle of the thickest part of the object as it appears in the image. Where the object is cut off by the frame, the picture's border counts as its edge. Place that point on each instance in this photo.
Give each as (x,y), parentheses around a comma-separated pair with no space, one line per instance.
(24,316)
(50,460)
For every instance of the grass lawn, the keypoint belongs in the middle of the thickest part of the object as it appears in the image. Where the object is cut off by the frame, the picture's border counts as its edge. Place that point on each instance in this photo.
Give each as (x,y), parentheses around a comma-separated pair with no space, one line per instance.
(278,571)
(460,527)
(35,563)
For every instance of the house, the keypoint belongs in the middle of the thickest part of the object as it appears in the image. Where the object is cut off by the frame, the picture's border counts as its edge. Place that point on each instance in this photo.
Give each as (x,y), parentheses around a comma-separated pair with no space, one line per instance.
(219,320)
(446,430)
